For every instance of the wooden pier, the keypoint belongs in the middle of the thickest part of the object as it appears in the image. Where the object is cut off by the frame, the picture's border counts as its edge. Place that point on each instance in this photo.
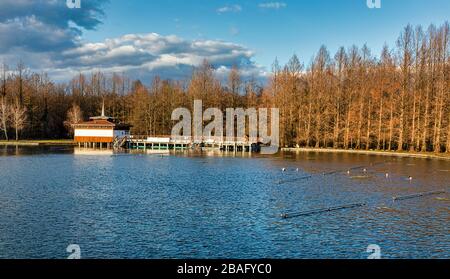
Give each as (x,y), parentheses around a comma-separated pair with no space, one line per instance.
(187,143)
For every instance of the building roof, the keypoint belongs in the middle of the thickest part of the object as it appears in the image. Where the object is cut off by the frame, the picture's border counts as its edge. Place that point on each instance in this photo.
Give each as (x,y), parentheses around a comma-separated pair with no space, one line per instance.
(96,122)
(102,122)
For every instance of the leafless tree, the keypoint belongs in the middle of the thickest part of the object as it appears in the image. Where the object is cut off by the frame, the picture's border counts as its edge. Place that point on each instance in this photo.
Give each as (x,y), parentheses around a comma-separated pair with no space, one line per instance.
(18,117)
(5,112)
(74,116)
(5,116)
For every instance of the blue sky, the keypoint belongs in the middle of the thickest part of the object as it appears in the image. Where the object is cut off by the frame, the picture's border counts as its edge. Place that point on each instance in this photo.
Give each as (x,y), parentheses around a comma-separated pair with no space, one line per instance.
(301,27)
(168,37)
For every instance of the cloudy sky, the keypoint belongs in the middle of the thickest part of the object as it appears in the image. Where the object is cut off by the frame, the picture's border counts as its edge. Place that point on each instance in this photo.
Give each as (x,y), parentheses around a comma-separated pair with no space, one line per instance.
(169,37)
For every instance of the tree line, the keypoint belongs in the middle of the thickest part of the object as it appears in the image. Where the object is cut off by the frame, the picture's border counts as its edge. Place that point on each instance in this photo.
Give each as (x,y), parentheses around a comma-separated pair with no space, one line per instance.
(352,99)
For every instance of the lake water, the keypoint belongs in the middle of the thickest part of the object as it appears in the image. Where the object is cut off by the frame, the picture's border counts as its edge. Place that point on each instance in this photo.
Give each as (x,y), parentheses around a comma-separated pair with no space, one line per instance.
(218,205)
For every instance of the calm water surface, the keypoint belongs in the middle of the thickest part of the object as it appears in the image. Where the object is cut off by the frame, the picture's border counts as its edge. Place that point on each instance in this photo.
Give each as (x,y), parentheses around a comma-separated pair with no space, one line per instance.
(222,206)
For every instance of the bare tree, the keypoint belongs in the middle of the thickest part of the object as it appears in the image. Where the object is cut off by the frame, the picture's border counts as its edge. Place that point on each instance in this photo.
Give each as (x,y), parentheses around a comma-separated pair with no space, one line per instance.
(5,115)
(18,117)
(405,44)
(5,112)
(74,116)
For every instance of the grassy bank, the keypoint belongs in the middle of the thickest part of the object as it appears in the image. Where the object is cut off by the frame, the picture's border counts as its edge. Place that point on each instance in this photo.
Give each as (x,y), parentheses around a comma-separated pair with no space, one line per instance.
(36,142)
(426,155)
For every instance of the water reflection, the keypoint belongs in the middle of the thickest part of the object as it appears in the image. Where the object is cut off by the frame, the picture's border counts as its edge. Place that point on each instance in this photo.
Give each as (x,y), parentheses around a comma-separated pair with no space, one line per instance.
(218,205)
(93,152)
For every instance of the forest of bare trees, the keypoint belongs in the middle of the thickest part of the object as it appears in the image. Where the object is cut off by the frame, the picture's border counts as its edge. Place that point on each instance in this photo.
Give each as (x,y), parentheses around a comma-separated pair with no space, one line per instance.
(351,100)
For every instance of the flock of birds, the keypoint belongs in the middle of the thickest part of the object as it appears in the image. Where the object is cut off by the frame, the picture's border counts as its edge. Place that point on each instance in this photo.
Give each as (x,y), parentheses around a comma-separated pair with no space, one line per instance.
(348,172)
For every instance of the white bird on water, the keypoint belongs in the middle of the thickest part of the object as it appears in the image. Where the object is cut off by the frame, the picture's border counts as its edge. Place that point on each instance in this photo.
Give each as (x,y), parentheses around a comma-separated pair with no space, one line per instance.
(348,172)
(283,169)
(387,175)
(410,178)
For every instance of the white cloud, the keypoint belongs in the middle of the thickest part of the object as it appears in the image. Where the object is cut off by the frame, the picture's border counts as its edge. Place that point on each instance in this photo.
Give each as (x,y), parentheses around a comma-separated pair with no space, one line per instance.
(47,36)
(229,9)
(45,24)
(273,5)
(147,55)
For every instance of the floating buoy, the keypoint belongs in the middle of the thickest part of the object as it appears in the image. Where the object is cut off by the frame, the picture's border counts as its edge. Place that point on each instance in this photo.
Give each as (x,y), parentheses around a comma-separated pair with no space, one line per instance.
(348,172)
(364,170)
(297,170)
(410,178)
(387,175)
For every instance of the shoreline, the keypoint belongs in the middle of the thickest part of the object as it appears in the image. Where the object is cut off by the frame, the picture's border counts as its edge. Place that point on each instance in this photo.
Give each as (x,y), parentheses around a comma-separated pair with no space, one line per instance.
(37,143)
(405,154)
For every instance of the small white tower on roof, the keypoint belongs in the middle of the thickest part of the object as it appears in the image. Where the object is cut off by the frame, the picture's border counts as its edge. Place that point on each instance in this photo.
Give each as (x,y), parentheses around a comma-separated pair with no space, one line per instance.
(103,108)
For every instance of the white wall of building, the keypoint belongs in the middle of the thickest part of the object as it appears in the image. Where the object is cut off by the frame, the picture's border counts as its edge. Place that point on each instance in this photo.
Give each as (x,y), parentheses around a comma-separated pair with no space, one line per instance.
(94,133)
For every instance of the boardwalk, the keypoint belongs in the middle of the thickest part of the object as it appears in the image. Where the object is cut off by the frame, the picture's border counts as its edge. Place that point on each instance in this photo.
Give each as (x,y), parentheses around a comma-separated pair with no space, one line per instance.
(184,143)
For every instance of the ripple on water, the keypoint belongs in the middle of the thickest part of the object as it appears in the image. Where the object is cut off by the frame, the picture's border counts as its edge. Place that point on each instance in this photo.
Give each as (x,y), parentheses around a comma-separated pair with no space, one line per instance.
(133,206)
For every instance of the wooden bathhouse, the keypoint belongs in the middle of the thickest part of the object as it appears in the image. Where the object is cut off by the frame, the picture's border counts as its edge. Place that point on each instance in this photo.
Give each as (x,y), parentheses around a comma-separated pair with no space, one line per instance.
(101,132)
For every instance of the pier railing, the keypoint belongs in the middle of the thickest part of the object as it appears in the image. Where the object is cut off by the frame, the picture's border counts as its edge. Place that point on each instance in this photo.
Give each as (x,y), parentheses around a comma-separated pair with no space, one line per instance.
(193,140)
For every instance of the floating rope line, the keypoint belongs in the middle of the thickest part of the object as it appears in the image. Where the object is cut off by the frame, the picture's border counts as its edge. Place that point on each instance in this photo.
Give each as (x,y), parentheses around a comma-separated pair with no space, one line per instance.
(354,168)
(332,172)
(323,210)
(339,171)
(361,177)
(418,195)
(294,179)
(325,173)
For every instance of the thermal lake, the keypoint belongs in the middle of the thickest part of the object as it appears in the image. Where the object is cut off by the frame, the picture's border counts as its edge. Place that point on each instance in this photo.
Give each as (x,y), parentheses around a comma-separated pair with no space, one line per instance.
(219,205)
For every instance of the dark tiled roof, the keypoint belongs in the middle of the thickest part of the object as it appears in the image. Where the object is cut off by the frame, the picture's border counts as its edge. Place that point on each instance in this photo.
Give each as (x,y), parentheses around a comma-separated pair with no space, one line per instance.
(99,122)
